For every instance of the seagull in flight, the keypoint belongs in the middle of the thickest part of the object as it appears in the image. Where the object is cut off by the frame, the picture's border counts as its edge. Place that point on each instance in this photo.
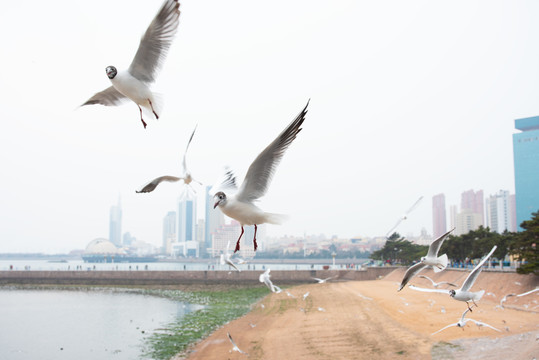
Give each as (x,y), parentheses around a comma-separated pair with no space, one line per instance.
(504,299)
(134,82)
(240,206)
(462,322)
(404,216)
(438,263)
(234,346)
(265,278)
(321,281)
(464,293)
(225,258)
(436,284)
(185,174)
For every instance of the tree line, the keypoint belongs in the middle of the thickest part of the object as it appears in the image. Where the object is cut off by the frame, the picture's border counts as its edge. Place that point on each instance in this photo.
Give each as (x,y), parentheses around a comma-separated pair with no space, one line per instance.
(473,245)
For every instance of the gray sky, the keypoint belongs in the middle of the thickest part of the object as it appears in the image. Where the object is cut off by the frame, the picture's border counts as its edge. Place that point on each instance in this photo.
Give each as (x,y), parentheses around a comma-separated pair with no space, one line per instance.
(408,98)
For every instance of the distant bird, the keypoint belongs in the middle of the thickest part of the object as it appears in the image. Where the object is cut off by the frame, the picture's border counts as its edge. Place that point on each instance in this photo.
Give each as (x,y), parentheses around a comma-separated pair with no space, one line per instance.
(226,258)
(462,322)
(185,174)
(240,206)
(133,83)
(305,295)
(464,293)
(404,216)
(504,299)
(528,292)
(438,263)
(436,284)
(321,309)
(321,281)
(265,278)
(289,294)
(234,346)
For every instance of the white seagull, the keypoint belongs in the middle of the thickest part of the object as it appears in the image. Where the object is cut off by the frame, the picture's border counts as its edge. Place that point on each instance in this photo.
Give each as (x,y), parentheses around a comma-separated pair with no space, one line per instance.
(234,346)
(464,293)
(404,216)
(305,295)
(133,82)
(265,278)
(226,258)
(240,206)
(436,284)
(504,299)
(321,281)
(462,322)
(185,174)
(438,263)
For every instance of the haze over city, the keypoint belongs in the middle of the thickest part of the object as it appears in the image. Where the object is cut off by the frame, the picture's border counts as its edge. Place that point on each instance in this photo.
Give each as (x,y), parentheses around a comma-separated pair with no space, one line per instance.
(407,100)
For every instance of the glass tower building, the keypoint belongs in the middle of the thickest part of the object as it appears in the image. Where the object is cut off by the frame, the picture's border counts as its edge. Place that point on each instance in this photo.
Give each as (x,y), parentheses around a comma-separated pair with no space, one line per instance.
(526,160)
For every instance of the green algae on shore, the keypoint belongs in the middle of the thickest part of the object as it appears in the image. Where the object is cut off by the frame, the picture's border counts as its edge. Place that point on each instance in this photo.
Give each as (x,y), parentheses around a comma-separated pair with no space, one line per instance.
(220,307)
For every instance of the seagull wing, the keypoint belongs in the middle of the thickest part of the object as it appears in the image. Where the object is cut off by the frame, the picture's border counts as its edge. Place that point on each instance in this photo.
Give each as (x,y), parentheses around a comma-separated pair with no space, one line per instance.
(441,291)
(153,184)
(528,292)
(410,273)
(446,282)
(436,244)
(108,97)
(184,162)
(414,206)
(428,278)
(475,272)
(480,323)
(155,43)
(442,329)
(226,183)
(235,347)
(261,171)
(394,227)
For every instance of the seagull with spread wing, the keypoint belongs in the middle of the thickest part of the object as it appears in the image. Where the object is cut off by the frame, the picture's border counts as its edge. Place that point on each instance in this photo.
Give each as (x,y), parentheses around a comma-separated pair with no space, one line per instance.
(240,206)
(322,281)
(436,284)
(462,322)
(226,258)
(404,217)
(133,83)
(234,346)
(464,293)
(438,263)
(185,176)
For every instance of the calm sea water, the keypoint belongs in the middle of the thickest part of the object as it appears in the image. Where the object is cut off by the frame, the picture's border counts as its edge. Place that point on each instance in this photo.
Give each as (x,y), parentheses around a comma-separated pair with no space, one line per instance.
(93,324)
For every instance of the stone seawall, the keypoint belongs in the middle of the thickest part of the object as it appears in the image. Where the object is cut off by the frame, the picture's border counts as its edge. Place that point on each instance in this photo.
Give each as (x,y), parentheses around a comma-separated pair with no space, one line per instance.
(141,277)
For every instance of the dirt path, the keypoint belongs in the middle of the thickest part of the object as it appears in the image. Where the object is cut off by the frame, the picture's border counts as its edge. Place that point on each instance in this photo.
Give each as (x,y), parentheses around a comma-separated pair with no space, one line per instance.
(367,320)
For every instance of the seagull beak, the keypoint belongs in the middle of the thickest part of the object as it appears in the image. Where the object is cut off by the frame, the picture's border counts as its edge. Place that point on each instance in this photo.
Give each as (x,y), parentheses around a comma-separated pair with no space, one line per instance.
(215,205)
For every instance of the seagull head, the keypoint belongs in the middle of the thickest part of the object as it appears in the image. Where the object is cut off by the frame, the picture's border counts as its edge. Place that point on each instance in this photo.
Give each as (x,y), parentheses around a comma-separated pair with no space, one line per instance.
(111,72)
(452,293)
(220,199)
(423,258)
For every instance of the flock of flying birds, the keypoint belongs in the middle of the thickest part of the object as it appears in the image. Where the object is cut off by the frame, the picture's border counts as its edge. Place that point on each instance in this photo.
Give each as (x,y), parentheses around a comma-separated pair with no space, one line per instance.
(239,202)
(134,84)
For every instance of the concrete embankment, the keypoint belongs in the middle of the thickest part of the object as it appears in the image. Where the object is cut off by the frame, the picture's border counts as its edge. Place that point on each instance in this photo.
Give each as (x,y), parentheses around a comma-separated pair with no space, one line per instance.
(142,277)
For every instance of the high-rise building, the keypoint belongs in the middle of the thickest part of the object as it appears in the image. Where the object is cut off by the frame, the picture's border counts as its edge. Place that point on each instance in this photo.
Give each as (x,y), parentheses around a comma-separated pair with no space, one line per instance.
(115,224)
(169,231)
(526,162)
(466,221)
(439,217)
(500,212)
(214,219)
(473,200)
(187,223)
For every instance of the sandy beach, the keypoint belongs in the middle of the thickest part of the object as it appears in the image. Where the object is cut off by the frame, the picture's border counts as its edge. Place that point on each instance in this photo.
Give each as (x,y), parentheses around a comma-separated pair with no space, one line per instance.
(371,320)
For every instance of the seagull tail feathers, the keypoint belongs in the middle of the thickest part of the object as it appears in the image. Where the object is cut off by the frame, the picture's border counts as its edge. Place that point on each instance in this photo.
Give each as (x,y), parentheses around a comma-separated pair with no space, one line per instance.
(478,295)
(275,219)
(442,263)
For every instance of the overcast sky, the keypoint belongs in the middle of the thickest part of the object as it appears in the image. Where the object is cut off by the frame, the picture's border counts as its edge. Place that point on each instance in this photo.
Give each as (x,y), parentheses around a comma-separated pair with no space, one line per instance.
(408,99)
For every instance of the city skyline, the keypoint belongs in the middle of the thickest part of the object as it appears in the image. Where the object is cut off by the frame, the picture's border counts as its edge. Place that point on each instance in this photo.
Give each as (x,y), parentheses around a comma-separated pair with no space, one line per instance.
(404,103)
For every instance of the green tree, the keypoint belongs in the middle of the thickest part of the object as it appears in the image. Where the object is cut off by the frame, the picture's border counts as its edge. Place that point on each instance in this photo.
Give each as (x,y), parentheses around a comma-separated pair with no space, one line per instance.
(397,248)
(524,246)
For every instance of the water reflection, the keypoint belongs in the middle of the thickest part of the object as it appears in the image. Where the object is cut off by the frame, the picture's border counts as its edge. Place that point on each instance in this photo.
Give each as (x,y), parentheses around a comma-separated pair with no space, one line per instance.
(60,324)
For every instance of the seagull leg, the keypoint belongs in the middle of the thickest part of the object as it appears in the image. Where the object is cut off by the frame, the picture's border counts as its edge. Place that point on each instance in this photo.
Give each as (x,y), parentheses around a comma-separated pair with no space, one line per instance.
(156,116)
(238,243)
(254,239)
(469,308)
(141,119)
